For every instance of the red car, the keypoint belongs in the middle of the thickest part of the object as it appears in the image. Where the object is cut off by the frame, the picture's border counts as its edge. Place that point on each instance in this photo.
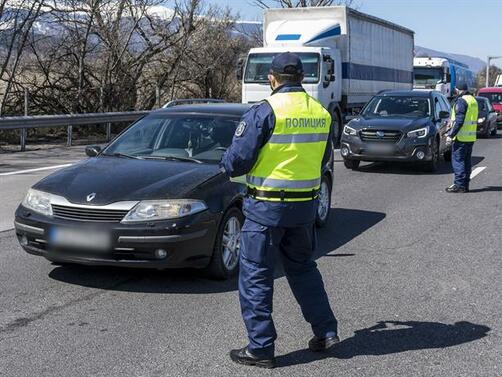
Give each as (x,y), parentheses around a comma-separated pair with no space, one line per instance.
(494,95)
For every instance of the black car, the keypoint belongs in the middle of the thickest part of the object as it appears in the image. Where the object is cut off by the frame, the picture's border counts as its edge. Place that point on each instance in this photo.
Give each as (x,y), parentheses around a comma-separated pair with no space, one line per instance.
(153,198)
(487,118)
(398,126)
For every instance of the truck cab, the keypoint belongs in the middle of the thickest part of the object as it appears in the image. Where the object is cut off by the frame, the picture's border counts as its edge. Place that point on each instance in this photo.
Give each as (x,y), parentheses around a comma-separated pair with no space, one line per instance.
(320,73)
(432,73)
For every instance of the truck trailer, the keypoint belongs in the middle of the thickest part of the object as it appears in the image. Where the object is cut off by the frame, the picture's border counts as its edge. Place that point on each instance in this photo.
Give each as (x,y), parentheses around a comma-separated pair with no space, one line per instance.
(348,57)
(441,74)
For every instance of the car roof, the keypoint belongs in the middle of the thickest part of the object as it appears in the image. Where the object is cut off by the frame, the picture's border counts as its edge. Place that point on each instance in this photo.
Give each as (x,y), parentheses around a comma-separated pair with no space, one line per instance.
(223,108)
(491,90)
(479,98)
(408,93)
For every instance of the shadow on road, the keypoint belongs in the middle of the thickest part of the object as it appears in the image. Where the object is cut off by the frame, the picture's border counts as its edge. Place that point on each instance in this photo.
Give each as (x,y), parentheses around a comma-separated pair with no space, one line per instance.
(343,226)
(403,168)
(388,337)
(487,189)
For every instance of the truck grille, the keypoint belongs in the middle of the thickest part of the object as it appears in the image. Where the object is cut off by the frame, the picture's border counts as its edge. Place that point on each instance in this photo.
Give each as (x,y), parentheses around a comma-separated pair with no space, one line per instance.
(88,214)
(381,136)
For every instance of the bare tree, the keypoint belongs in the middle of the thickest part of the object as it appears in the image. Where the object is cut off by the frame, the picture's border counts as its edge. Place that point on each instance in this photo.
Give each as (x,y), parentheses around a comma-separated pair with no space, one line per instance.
(301,3)
(16,21)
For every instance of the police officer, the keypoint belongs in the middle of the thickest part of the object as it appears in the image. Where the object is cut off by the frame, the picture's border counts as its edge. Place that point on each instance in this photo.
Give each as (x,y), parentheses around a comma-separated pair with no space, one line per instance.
(281,144)
(462,137)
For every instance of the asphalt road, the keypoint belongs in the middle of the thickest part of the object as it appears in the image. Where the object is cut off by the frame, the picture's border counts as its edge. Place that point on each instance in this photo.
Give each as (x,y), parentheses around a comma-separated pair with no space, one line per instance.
(413,273)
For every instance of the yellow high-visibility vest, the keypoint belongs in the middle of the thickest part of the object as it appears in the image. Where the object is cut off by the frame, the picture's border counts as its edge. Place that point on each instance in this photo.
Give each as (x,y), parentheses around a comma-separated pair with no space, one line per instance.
(468,130)
(290,162)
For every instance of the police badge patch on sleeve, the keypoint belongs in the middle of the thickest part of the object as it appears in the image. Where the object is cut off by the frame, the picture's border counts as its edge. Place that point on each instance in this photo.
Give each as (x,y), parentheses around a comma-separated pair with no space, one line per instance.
(240,129)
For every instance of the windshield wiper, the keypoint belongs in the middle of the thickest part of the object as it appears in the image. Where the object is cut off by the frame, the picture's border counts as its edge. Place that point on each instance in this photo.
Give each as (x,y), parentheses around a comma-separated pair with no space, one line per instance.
(175,158)
(124,155)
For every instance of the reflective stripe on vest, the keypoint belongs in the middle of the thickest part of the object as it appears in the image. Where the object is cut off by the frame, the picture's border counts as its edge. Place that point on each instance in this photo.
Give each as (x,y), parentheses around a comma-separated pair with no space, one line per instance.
(467,132)
(291,159)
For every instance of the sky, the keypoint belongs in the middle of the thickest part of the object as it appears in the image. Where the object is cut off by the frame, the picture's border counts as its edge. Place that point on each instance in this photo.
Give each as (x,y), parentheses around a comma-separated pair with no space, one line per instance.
(470,27)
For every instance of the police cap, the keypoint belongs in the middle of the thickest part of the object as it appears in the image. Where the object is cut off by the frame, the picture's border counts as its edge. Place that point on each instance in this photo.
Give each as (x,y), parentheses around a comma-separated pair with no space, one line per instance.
(287,64)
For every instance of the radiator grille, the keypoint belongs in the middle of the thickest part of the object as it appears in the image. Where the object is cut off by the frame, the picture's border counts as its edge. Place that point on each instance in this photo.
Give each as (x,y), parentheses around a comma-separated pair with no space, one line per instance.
(88,214)
(381,136)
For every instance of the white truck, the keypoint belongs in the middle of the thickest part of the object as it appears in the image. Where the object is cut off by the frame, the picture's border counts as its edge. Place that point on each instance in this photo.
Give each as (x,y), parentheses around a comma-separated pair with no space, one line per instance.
(441,74)
(348,57)
(498,81)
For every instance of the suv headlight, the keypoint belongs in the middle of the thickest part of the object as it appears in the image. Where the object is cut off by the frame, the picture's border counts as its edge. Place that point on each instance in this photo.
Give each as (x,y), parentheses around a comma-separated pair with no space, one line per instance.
(347,130)
(420,133)
(38,201)
(481,120)
(150,210)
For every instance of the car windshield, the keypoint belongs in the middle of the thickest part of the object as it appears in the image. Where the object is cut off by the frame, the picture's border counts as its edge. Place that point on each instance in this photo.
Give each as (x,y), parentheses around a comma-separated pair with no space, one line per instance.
(492,97)
(427,76)
(258,67)
(398,107)
(191,138)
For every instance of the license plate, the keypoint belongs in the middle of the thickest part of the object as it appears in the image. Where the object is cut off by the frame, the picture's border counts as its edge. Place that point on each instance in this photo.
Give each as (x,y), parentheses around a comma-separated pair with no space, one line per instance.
(82,239)
(380,148)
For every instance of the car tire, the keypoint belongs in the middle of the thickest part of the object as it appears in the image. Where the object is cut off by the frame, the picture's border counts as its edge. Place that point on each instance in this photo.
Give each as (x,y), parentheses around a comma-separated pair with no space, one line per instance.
(447,155)
(432,165)
(225,260)
(324,206)
(494,131)
(351,164)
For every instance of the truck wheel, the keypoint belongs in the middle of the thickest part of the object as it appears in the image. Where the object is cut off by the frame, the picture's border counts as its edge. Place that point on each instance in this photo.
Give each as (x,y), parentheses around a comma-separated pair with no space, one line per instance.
(324,206)
(351,164)
(336,124)
(225,261)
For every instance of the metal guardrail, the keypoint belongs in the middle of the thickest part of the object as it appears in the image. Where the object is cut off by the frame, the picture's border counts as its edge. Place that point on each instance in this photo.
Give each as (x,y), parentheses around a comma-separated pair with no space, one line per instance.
(67,120)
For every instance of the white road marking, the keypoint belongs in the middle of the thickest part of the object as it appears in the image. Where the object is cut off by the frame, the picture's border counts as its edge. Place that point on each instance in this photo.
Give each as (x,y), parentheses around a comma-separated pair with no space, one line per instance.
(34,170)
(476,171)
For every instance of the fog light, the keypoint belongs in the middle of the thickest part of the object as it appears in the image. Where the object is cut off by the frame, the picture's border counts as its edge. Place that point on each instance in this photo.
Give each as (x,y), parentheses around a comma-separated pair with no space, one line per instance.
(345,151)
(160,253)
(23,241)
(420,155)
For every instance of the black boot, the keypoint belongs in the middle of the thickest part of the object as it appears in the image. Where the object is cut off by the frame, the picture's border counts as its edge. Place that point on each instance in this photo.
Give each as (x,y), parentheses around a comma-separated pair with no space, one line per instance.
(323,344)
(244,356)
(456,189)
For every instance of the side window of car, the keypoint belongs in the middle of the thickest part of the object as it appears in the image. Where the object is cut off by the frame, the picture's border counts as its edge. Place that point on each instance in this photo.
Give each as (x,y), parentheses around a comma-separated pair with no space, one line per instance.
(437,107)
(445,105)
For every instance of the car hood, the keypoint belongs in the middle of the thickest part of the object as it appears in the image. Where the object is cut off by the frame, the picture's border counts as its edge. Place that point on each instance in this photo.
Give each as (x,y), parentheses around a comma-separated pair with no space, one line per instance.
(391,124)
(115,179)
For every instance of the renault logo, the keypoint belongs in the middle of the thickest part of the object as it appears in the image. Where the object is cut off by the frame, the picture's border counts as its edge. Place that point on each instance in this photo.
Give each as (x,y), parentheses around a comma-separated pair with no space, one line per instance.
(380,133)
(91,196)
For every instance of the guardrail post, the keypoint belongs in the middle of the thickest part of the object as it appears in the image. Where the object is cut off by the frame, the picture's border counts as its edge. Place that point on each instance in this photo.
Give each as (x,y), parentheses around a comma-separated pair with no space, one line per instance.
(108,131)
(69,130)
(23,139)
(23,130)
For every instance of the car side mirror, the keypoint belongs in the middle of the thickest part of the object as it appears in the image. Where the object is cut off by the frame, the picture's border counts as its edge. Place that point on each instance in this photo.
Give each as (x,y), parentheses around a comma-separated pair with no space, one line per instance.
(92,150)
(444,115)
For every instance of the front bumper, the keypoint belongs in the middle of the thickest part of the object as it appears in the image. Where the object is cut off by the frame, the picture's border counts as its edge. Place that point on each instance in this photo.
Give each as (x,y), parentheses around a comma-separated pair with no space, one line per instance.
(405,150)
(188,241)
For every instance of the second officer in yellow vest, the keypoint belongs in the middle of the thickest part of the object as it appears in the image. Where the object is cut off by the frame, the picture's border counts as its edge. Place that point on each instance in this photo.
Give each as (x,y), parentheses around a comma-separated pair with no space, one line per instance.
(462,137)
(281,145)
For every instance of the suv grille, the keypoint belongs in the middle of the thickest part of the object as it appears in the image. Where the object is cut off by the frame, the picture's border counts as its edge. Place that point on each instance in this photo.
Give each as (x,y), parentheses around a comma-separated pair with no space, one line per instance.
(381,136)
(88,214)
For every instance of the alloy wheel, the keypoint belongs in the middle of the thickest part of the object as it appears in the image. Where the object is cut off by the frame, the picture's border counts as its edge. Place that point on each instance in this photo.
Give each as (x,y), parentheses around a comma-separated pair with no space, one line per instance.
(231,243)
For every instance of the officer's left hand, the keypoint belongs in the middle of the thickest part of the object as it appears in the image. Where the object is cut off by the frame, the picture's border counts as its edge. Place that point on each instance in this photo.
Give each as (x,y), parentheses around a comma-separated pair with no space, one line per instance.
(449,141)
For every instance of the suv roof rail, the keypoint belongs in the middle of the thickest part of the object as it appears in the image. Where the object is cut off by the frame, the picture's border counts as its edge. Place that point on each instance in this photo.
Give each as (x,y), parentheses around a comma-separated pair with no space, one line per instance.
(187,101)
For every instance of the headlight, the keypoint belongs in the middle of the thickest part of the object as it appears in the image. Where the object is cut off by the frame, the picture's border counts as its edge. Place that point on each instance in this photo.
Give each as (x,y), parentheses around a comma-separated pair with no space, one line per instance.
(481,120)
(38,201)
(349,131)
(420,133)
(150,210)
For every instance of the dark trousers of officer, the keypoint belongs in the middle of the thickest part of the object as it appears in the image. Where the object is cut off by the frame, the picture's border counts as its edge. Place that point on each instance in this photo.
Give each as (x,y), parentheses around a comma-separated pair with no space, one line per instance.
(461,163)
(260,248)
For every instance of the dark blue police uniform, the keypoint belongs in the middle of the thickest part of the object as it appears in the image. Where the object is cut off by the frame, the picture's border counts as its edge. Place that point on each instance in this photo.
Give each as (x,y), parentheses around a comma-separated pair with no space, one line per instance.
(275,230)
(461,152)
